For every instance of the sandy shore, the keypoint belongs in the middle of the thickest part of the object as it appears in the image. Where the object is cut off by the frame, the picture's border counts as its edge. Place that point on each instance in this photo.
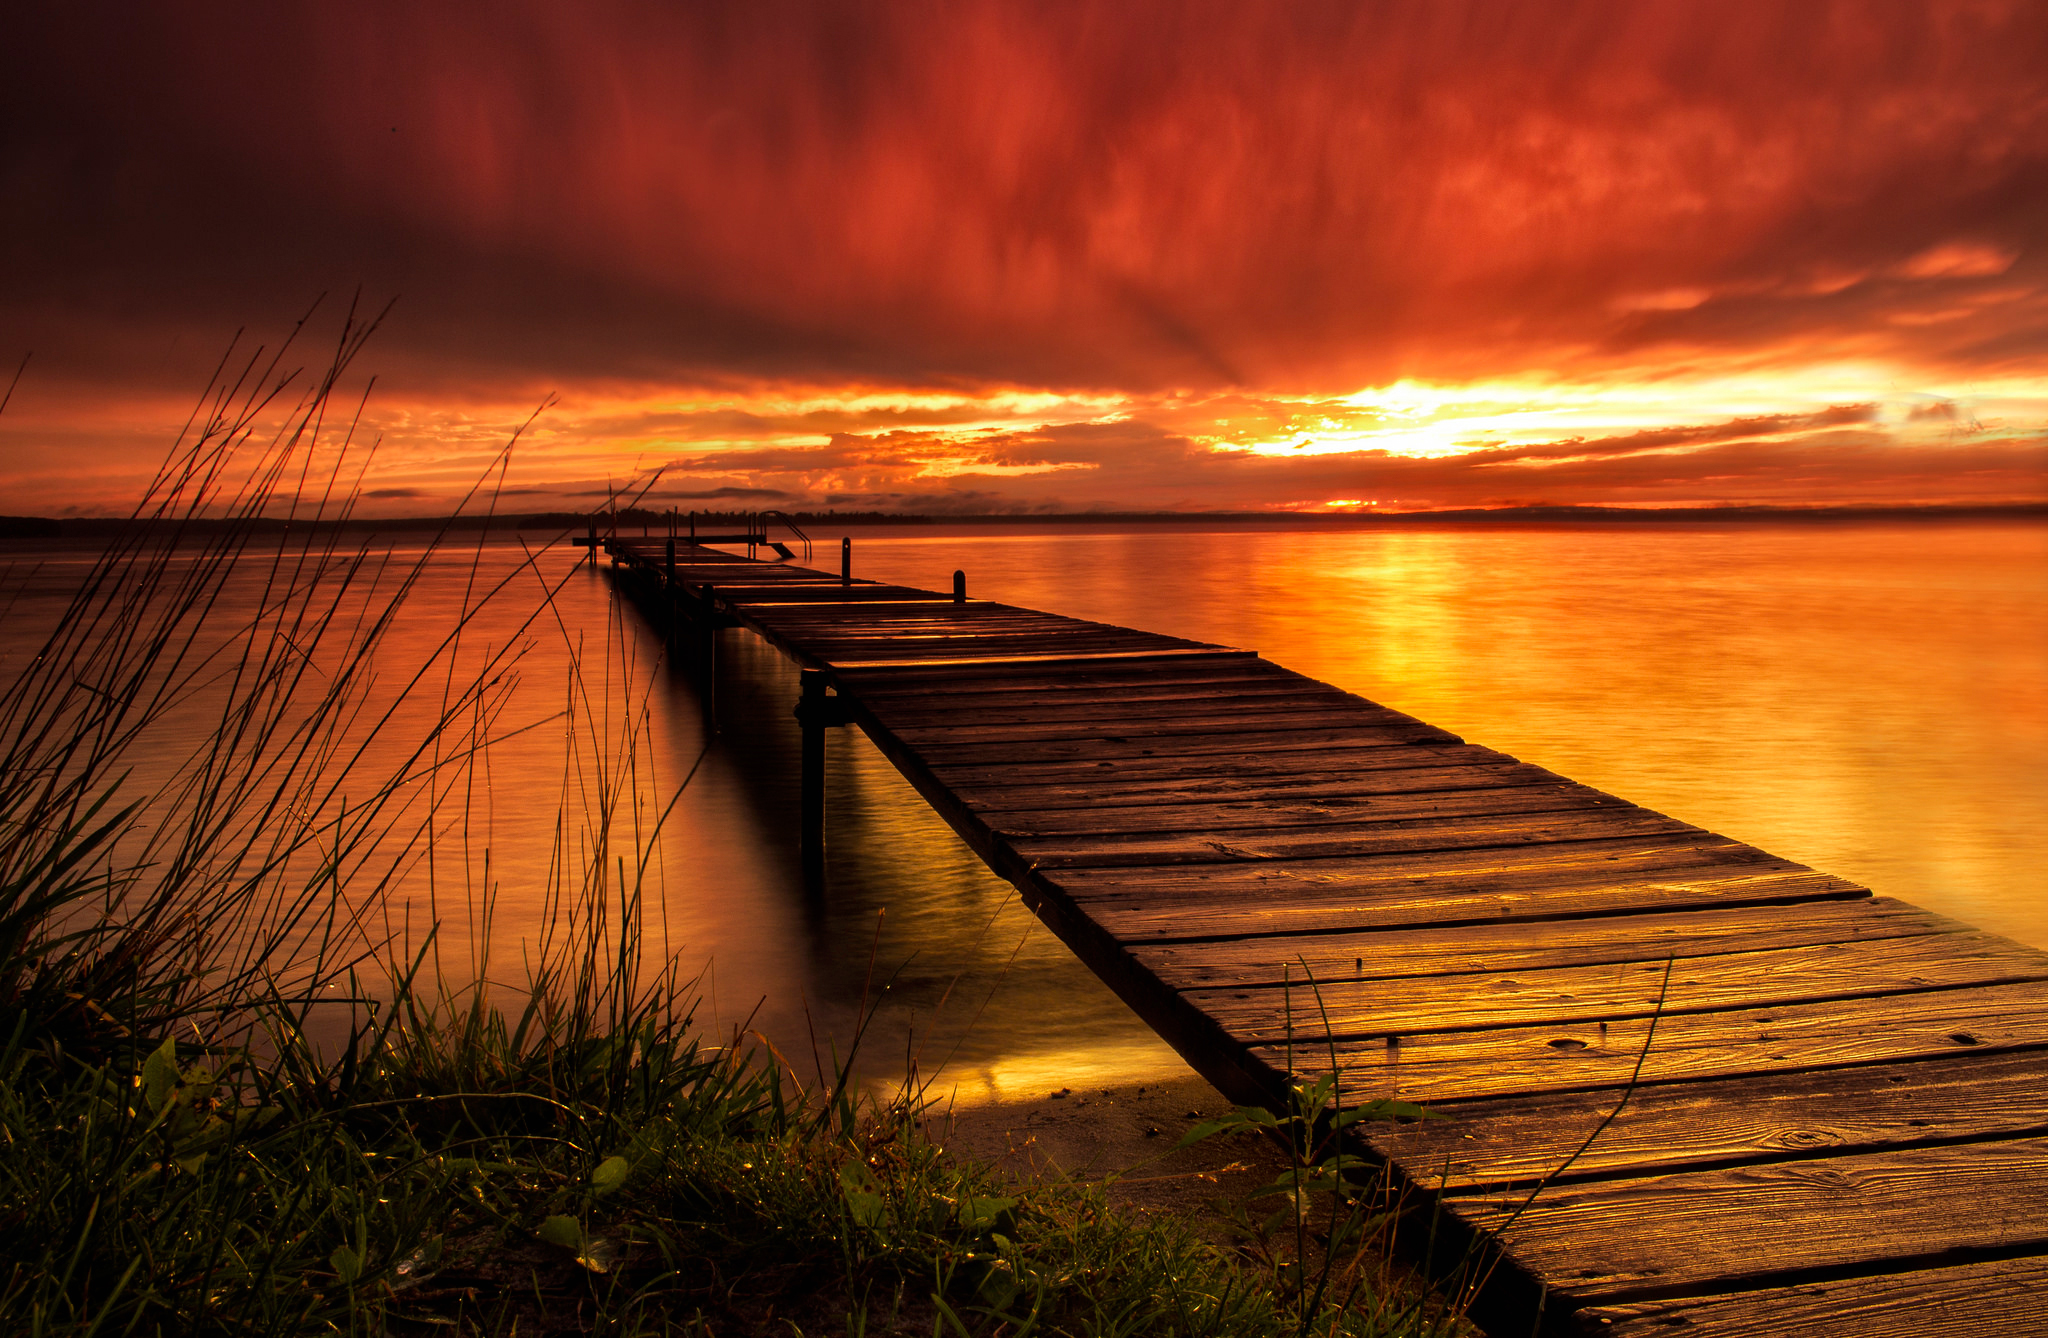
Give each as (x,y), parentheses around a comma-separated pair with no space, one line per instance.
(1126,1136)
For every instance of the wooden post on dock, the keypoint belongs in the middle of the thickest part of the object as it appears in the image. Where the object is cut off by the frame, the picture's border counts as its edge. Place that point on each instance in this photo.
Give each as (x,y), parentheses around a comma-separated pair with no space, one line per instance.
(671,572)
(846,560)
(959,587)
(593,543)
(810,714)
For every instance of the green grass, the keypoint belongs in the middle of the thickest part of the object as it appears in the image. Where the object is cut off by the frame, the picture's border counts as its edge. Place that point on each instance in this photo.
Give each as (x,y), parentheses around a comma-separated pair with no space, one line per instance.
(232,1101)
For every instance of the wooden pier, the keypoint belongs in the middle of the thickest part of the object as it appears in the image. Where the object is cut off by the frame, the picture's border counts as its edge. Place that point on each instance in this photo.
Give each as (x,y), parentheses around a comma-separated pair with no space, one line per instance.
(1758,1099)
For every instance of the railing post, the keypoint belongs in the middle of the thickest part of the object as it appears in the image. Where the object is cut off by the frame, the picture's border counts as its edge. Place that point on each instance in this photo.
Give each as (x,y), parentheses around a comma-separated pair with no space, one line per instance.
(959,587)
(846,560)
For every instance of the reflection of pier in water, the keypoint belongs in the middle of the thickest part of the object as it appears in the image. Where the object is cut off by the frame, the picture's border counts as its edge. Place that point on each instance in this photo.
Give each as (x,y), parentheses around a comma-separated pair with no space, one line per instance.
(1836,1114)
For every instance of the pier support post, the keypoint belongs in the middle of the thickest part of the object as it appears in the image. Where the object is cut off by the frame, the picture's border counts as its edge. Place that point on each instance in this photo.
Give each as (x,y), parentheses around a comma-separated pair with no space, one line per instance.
(593,543)
(959,587)
(811,714)
(846,560)
(671,572)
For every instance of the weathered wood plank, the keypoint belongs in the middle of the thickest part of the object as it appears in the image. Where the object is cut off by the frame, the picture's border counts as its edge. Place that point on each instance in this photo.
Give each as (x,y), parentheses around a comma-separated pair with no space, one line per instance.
(1435,887)
(1592,820)
(2002,1298)
(1751,1117)
(921,650)
(1040,691)
(1224,663)
(1010,660)
(1143,725)
(1723,1230)
(1217,772)
(1468,1065)
(1502,796)
(1311,1012)
(822,594)
(1110,748)
(1382,775)
(1108,704)
(1520,946)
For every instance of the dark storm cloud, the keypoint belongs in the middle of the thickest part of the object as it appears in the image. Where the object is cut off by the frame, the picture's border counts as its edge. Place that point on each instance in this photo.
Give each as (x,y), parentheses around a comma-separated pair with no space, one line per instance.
(1074,194)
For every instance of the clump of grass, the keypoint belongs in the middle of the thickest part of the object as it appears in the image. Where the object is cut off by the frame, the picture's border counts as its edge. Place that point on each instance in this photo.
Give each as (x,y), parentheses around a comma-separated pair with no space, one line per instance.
(234,1099)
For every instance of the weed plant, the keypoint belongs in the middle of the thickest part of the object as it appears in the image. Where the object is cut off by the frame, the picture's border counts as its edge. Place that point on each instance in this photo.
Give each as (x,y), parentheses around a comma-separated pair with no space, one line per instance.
(236,1098)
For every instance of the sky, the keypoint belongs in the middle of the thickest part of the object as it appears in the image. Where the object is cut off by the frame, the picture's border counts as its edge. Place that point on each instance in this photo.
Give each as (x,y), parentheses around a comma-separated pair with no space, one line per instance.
(1036,256)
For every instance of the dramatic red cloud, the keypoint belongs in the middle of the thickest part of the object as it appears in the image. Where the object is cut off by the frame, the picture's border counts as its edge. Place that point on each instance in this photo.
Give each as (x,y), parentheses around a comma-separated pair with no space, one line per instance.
(1038,254)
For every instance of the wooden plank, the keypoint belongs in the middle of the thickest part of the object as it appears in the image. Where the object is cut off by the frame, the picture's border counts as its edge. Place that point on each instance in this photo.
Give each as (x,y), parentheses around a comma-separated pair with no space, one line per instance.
(822,595)
(1517,946)
(1224,662)
(1601,819)
(1753,1117)
(1604,1242)
(2000,1298)
(1438,887)
(1521,795)
(1468,1065)
(1081,686)
(1386,776)
(1170,724)
(870,623)
(1575,995)
(924,650)
(1110,705)
(968,663)
(1062,778)
(1110,748)
(968,641)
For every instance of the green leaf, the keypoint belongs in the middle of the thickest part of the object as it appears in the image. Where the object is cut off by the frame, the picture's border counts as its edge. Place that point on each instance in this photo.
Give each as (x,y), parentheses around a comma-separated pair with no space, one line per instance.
(566,1232)
(989,1214)
(609,1175)
(347,1264)
(870,1211)
(160,1074)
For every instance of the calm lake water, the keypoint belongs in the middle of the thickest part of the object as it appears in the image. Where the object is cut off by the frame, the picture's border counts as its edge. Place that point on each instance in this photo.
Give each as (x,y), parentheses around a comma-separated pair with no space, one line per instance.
(1870,699)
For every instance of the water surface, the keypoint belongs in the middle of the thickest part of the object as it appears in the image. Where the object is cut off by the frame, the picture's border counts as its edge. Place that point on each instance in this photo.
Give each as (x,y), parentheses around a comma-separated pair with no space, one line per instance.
(1868,699)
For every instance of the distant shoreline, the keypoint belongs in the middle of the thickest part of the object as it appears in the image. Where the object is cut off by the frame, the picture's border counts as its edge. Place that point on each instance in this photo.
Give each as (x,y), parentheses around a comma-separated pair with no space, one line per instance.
(56,527)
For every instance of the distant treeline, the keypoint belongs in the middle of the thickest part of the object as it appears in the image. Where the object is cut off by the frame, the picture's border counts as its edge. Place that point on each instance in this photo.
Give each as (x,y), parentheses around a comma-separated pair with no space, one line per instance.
(47,527)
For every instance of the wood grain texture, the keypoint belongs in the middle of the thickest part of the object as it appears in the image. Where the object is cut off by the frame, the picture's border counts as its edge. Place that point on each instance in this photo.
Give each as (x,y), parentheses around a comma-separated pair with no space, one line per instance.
(2002,1298)
(1069,781)
(1568,1056)
(1603,1242)
(1477,796)
(1519,946)
(1593,819)
(1112,747)
(1379,774)
(1774,977)
(1752,1117)
(905,714)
